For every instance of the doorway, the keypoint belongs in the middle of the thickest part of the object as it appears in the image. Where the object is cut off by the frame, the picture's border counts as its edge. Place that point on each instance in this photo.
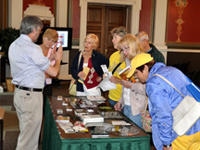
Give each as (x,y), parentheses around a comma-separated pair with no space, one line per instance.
(132,18)
(101,19)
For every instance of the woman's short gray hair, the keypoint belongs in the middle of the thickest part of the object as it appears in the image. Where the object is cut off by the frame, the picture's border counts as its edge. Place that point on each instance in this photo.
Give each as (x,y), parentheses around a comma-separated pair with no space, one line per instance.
(121,31)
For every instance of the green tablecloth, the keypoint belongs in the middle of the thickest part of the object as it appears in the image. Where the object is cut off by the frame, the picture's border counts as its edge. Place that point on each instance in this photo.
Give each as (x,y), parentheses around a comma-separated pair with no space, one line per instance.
(53,141)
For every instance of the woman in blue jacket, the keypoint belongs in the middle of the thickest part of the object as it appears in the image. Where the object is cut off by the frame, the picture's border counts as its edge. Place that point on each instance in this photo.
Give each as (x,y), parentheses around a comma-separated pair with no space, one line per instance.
(163,99)
(92,59)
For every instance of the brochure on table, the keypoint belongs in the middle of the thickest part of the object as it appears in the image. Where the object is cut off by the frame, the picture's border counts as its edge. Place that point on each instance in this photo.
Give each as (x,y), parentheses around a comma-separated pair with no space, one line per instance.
(88,121)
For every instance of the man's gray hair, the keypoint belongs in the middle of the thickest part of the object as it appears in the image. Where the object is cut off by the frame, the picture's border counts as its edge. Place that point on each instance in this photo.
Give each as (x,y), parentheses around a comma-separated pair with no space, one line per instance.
(29,23)
(142,36)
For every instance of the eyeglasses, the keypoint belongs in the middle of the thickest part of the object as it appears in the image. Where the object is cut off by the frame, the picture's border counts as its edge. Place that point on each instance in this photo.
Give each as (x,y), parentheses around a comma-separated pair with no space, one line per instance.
(135,73)
(126,48)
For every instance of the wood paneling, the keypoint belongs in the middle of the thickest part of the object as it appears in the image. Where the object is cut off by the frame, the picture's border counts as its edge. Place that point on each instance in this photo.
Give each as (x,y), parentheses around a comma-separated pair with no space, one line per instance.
(3,14)
(101,20)
(95,15)
(115,17)
(95,23)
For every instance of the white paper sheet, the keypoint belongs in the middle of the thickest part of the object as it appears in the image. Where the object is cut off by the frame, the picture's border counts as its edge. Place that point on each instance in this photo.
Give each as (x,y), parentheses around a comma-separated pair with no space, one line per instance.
(106,85)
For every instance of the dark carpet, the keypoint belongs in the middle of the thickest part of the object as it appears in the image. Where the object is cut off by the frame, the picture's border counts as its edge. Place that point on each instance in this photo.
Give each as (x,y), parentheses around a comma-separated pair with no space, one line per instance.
(10,141)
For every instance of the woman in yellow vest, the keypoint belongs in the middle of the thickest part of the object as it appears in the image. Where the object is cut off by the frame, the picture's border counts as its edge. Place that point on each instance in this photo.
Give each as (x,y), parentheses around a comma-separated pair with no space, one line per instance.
(115,65)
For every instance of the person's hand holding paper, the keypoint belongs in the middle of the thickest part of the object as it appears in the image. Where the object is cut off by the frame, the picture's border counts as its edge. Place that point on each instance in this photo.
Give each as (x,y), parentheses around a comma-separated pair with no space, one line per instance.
(106,85)
(126,84)
(115,80)
(98,79)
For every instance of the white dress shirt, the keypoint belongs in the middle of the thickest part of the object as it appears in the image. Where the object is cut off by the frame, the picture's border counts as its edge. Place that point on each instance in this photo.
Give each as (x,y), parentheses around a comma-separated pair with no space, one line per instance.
(27,62)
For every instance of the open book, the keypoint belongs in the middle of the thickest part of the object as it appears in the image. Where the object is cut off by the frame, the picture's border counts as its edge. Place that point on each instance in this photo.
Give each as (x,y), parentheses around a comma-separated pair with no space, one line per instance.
(124,73)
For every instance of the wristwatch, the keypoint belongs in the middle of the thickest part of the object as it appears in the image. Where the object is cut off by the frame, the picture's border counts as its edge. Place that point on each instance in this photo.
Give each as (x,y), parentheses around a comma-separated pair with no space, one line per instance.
(168,146)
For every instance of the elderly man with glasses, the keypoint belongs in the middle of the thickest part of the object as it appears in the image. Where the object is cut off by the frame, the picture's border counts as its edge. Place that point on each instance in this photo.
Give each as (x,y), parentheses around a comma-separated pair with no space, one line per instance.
(149,47)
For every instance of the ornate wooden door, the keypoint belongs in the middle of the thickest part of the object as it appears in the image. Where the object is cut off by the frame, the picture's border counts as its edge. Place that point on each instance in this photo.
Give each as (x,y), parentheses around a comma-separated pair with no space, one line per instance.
(101,20)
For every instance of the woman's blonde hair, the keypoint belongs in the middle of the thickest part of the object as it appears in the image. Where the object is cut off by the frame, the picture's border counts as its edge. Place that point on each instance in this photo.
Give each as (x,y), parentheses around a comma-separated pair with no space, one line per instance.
(95,40)
(51,34)
(133,43)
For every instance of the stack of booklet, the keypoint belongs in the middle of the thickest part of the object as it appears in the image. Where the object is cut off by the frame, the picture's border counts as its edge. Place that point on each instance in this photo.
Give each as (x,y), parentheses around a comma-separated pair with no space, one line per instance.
(91,118)
(96,98)
(99,134)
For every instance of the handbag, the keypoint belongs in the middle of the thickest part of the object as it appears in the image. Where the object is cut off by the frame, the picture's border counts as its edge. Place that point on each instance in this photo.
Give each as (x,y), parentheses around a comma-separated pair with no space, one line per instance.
(146,119)
(72,87)
(73,83)
(185,114)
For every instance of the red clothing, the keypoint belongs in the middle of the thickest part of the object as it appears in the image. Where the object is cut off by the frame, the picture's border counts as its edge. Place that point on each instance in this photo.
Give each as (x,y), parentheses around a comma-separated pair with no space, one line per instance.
(90,80)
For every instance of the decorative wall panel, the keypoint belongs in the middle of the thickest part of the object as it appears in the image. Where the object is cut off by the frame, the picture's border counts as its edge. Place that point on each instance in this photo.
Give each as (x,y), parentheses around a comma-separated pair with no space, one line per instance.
(183,24)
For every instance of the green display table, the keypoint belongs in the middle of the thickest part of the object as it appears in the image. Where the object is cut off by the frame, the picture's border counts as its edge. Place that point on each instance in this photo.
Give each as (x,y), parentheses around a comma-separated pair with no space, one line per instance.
(54,137)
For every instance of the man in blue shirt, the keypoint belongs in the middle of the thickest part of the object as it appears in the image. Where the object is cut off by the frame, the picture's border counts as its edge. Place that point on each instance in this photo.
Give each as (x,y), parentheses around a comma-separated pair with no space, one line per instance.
(163,99)
(28,67)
